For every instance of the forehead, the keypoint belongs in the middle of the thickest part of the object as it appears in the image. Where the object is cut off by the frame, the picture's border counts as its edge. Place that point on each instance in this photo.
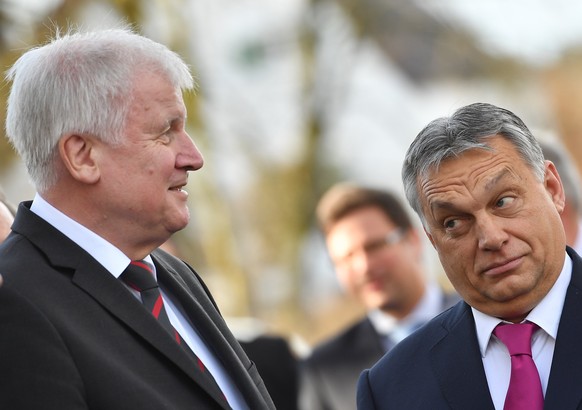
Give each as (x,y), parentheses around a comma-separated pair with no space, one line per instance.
(475,169)
(358,226)
(365,219)
(155,99)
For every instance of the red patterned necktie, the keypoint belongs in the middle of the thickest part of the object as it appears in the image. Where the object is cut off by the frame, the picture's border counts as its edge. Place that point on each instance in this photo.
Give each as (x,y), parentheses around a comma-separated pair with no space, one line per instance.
(139,275)
(525,388)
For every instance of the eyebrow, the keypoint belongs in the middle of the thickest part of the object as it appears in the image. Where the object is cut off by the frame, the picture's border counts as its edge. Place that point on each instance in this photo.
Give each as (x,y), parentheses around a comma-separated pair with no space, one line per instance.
(493,181)
(442,205)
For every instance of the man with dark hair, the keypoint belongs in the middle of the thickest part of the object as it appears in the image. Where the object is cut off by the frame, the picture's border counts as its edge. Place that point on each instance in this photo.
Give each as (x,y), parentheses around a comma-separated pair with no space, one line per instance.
(490,204)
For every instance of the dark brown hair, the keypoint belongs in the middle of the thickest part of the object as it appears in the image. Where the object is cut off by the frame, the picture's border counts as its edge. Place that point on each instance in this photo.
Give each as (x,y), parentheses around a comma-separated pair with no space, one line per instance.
(343,199)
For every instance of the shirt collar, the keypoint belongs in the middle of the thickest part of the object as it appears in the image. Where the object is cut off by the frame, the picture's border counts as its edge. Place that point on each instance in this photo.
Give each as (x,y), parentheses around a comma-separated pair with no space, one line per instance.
(546,314)
(103,251)
(428,307)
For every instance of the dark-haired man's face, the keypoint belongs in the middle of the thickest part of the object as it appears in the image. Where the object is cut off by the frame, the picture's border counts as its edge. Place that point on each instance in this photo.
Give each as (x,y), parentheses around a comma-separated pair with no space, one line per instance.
(496,228)
(379,273)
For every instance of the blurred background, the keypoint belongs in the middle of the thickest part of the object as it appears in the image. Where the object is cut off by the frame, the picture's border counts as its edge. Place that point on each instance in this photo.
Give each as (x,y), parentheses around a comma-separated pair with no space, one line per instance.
(294,95)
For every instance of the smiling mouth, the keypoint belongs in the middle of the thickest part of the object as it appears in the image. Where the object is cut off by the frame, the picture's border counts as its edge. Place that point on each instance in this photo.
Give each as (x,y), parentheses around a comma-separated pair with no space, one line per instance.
(178,188)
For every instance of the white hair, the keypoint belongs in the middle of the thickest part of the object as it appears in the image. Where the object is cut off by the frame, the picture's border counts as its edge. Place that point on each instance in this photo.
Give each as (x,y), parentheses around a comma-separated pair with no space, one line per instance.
(80,83)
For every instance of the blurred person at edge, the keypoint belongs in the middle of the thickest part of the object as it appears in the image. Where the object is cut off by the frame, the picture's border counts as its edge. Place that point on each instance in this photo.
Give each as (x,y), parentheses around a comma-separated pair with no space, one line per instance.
(7,213)
(571,216)
(490,204)
(378,257)
(99,121)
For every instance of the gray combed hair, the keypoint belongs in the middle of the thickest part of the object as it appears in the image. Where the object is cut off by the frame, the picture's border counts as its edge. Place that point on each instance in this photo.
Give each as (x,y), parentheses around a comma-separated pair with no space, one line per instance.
(80,82)
(468,128)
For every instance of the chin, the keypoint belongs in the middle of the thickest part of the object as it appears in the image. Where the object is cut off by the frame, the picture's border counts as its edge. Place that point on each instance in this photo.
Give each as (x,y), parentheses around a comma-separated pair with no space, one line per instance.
(177,225)
(375,303)
(178,228)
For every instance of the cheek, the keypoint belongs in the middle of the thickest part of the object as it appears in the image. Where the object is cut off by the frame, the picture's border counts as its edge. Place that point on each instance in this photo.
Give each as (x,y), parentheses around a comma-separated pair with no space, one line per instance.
(455,265)
(150,167)
(346,279)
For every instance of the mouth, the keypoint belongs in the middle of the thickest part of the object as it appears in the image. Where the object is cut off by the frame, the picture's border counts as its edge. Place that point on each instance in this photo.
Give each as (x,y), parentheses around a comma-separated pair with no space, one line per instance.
(373,283)
(501,267)
(178,188)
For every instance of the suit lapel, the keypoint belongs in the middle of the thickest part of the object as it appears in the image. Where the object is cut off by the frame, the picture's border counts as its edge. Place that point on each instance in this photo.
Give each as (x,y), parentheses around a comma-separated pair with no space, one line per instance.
(207,320)
(564,390)
(368,343)
(114,297)
(110,293)
(462,380)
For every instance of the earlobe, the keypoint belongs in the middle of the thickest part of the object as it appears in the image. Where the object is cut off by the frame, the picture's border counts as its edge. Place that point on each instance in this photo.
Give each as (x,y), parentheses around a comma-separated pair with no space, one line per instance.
(77,154)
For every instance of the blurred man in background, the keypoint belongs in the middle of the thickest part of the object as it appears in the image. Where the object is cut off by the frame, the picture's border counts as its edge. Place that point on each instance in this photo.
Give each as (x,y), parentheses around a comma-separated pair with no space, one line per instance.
(378,258)
(571,216)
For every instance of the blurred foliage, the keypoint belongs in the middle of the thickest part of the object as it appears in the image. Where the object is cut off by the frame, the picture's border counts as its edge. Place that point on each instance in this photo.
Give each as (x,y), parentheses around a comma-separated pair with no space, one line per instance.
(42,28)
(424,47)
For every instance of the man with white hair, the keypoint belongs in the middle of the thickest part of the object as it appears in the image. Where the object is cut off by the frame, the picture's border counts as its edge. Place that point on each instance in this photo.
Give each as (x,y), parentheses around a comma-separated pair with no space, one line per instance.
(93,315)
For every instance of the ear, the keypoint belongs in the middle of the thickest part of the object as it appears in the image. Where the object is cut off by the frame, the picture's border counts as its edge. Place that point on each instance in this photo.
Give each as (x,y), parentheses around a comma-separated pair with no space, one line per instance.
(78,155)
(553,185)
(429,236)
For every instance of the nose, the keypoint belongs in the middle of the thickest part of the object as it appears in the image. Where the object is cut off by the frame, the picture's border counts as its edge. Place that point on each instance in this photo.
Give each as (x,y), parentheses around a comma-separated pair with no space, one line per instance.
(491,235)
(189,157)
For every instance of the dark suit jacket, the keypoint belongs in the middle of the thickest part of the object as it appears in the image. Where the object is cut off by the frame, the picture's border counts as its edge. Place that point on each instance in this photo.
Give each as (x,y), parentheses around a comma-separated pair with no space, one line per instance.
(277,365)
(440,366)
(73,337)
(330,373)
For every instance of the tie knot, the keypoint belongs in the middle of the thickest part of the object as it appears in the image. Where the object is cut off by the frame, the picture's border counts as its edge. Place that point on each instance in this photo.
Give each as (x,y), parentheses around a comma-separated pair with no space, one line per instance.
(139,275)
(516,337)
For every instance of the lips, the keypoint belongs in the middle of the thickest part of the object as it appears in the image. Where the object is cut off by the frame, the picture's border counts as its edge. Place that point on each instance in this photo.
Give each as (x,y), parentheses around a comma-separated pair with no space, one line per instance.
(178,187)
(373,283)
(501,267)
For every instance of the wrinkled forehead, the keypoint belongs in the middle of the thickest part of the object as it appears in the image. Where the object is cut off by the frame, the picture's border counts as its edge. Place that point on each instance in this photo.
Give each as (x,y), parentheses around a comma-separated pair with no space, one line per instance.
(432,167)
(476,166)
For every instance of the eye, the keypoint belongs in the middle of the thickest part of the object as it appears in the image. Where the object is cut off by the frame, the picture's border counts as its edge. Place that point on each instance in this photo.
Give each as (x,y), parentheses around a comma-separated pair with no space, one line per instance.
(166,135)
(504,202)
(450,223)
(456,225)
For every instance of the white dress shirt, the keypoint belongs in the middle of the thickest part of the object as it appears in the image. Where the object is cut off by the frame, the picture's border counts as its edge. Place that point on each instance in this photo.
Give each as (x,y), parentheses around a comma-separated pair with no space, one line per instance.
(115,261)
(546,315)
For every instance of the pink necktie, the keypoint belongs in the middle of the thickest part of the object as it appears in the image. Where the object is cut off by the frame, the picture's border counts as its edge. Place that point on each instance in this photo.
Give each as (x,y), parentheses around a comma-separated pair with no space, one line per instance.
(525,388)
